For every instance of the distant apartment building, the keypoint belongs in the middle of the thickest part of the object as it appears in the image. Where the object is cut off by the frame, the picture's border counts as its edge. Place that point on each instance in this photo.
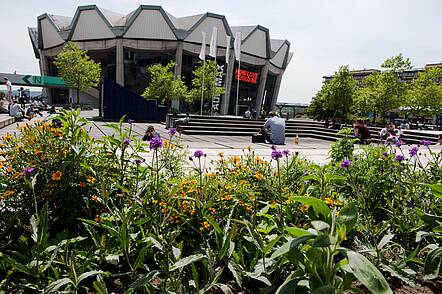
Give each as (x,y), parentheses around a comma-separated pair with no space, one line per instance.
(406,76)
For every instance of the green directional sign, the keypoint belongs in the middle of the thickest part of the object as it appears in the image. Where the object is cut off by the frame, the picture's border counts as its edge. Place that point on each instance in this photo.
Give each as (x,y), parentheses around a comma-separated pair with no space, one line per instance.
(43,81)
(34,81)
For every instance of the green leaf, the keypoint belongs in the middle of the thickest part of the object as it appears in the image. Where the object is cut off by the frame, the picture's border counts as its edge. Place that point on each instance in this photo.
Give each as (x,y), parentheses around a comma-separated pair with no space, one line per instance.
(296,232)
(433,264)
(367,273)
(348,216)
(324,290)
(291,286)
(436,189)
(270,244)
(141,282)
(214,224)
(88,274)
(186,261)
(317,204)
(54,286)
(288,246)
(323,241)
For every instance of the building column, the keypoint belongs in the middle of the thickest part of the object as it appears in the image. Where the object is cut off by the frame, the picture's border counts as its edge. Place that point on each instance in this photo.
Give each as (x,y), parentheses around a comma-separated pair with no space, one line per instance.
(120,62)
(262,87)
(276,91)
(178,70)
(228,83)
(44,72)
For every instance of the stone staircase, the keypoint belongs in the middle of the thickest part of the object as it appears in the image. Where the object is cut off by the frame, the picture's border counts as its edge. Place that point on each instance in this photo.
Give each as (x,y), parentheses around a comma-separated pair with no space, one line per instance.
(304,128)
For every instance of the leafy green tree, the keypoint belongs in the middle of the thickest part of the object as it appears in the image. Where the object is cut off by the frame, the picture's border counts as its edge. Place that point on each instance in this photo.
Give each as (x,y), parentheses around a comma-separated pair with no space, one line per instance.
(77,69)
(164,85)
(383,91)
(397,63)
(335,99)
(424,97)
(210,86)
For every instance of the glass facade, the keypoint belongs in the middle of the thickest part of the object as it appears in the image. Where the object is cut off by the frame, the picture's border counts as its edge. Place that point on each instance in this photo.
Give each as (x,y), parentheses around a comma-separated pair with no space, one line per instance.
(58,96)
(136,63)
(107,60)
(248,87)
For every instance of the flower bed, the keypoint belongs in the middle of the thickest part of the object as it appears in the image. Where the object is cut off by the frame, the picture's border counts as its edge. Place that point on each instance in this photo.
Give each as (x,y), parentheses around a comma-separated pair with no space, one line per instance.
(84,215)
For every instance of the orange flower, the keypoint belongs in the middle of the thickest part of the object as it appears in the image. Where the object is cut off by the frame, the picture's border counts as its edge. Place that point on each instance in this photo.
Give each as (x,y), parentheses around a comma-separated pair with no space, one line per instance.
(7,194)
(1,165)
(258,176)
(57,176)
(90,179)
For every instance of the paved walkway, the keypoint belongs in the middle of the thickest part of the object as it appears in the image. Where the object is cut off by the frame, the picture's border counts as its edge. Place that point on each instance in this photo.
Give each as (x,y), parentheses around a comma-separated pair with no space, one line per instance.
(312,149)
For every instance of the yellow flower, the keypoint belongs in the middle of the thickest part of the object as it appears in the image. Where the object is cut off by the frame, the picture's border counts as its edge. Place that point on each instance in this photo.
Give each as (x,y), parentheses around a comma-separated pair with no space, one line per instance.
(304,208)
(235,160)
(7,137)
(95,198)
(221,154)
(8,193)
(328,201)
(38,152)
(1,165)
(258,176)
(57,176)
(90,179)
(212,210)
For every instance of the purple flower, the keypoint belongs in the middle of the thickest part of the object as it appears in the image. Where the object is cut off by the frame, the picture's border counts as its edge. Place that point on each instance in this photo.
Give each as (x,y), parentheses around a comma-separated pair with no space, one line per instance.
(398,143)
(127,141)
(28,170)
(138,161)
(286,152)
(345,163)
(425,143)
(385,154)
(400,157)
(413,151)
(155,143)
(199,154)
(276,154)
(172,132)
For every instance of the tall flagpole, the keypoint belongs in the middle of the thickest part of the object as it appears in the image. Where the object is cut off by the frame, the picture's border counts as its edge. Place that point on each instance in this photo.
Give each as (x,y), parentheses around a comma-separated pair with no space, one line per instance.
(202,56)
(237,87)
(202,86)
(213,47)
(237,49)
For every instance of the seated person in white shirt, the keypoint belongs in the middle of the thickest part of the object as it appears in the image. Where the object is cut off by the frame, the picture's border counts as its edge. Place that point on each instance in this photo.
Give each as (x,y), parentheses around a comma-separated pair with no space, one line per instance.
(275,127)
(17,112)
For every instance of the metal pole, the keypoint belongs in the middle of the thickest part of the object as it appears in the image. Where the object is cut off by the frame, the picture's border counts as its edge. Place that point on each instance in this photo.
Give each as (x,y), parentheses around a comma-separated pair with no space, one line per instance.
(213,90)
(202,87)
(237,88)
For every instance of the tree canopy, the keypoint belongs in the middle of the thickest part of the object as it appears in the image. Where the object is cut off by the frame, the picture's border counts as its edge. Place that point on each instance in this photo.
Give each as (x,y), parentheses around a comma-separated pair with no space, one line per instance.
(164,85)
(424,97)
(335,97)
(77,69)
(210,86)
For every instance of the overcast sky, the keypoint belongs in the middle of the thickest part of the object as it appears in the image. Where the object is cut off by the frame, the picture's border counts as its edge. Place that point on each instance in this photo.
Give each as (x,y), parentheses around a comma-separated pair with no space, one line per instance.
(324,34)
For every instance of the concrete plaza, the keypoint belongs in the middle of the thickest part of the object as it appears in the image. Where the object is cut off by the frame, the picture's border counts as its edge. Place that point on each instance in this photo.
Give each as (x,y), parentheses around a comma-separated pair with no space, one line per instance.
(312,149)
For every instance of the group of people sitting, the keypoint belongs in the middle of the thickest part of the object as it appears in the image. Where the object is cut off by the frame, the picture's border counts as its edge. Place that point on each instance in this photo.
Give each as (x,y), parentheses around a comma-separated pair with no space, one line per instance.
(19,113)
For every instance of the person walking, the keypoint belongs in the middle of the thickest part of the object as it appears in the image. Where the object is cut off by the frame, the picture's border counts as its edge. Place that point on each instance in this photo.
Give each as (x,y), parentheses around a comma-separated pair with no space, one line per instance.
(8,85)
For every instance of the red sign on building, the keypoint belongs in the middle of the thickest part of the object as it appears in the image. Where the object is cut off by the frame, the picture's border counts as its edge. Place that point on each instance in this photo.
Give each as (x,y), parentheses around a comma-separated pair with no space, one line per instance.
(246,76)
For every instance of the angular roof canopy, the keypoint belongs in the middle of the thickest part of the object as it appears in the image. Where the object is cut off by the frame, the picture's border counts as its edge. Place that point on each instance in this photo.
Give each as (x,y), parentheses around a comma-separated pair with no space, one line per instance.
(154,23)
